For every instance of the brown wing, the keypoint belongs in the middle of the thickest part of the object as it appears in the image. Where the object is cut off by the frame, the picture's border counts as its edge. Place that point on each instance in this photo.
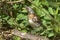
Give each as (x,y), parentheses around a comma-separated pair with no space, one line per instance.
(36,20)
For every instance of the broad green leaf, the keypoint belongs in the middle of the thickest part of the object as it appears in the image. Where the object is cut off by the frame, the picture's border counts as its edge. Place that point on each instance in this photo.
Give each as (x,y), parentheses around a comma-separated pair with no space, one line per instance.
(37,2)
(38,29)
(56,29)
(16,38)
(20,17)
(24,10)
(15,6)
(47,18)
(6,18)
(51,11)
(50,34)
(46,12)
(22,26)
(25,31)
(49,29)
(11,21)
(42,14)
(45,3)
(33,32)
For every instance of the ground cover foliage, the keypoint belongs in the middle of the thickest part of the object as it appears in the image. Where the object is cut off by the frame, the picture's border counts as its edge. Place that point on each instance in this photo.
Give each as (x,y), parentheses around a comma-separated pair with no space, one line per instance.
(14,16)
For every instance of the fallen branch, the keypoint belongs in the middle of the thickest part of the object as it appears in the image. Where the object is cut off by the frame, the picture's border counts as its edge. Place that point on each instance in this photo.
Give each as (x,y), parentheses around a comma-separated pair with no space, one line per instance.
(11,2)
(9,33)
(28,36)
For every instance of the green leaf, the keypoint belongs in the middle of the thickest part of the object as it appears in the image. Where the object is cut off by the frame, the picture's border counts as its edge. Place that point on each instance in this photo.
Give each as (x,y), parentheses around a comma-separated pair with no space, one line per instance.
(56,29)
(50,34)
(25,22)
(46,12)
(33,32)
(24,10)
(45,3)
(15,6)
(47,18)
(6,18)
(51,11)
(38,29)
(44,22)
(36,2)
(42,14)
(22,25)
(20,17)
(25,31)
(49,28)
(56,12)
(43,33)
(11,21)
(16,38)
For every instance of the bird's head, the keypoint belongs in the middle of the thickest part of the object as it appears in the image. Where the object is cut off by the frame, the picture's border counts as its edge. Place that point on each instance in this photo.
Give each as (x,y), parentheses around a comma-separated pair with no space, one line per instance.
(29,9)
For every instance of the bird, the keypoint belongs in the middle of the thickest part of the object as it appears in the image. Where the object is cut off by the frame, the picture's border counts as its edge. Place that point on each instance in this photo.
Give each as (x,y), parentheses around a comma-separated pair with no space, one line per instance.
(33,19)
